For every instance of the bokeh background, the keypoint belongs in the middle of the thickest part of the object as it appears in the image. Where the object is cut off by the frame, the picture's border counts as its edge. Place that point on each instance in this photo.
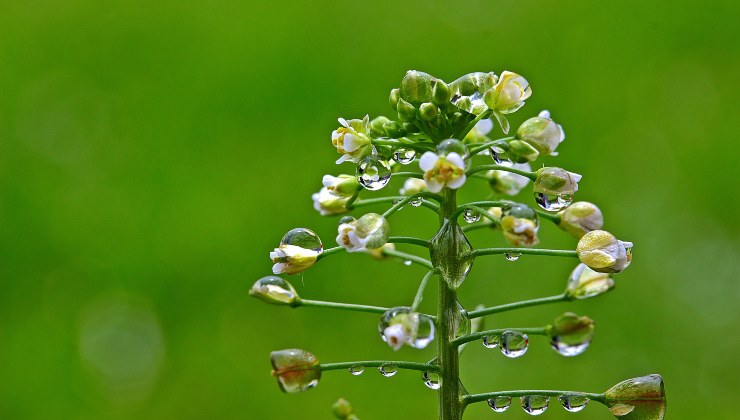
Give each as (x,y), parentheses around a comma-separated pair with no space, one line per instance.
(152,154)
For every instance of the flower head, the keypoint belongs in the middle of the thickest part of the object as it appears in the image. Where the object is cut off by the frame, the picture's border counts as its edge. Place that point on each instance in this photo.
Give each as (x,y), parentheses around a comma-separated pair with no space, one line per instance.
(603,252)
(296,370)
(442,171)
(542,133)
(368,232)
(509,183)
(352,139)
(580,218)
(336,193)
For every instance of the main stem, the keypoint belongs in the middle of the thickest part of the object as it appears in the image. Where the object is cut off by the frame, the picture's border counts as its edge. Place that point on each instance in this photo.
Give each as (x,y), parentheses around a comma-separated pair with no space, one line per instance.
(450,402)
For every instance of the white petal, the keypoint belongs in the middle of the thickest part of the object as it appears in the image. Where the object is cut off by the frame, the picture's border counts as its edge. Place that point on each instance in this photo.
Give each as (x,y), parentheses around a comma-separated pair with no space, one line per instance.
(343,122)
(576,177)
(428,160)
(457,182)
(456,159)
(544,114)
(433,185)
(342,159)
(484,126)
(278,268)
(329,181)
(335,135)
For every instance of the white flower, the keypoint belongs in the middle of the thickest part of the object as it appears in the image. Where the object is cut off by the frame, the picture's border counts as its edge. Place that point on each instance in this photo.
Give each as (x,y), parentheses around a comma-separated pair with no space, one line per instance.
(603,252)
(292,259)
(368,232)
(333,197)
(442,171)
(507,182)
(519,231)
(509,94)
(413,186)
(352,139)
(396,336)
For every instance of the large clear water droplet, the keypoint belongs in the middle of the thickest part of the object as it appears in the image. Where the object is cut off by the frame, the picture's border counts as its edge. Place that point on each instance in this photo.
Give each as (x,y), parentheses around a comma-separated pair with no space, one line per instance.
(512,256)
(404,156)
(573,402)
(513,344)
(471,216)
(499,404)
(461,322)
(490,341)
(304,238)
(451,241)
(535,404)
(373,173)
(416,202)
(496,156)
(357,370)
(388,370)
(418,328)
(568,349)
(431,380)
(452,146)
(553,202)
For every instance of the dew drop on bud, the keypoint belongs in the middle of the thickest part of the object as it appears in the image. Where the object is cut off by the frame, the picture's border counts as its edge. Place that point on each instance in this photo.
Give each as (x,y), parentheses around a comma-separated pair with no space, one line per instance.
(535,404)
(416,202)
(553,202)
(418,328)
(431,380)
(304,238)
(388,370)
(496,157)
(471,216)
(513,344)
(568,349)
(573,402)
(404,156)
(512,256)
(373,173)
(499,404)
(356,370)
(490,341)
(407,263)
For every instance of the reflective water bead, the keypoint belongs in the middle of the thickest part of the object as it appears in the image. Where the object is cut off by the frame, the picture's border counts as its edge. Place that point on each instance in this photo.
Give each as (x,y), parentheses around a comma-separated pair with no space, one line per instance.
(452,146)
(567,349)
(416,202)
(490,341)
(495,155)
(513,344)
(356,370)
(388,370)
(404,156)
(471,216)
(553,202)
(535,404)
(304,238)
(573,402)
(417,329)
(407,263)
(461,322)
(512,256)
(373,173)
(431,380)
(499,404)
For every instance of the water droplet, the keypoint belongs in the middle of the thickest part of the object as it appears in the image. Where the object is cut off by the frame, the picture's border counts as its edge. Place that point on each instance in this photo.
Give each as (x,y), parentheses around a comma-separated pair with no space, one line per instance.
(471,216)
(388,370)
(373,173)
(431,380)
(416,202)
(407,262)
(553,202)
(461,321)
(535,404)
(520,211)
(452,146)
(468,91)
(513,344)
(496,156)
(573,402)
(512,256)
(304,238)
(356,370)
(499,404)
(568,349)
(490,341)
(400,326)
(404,156)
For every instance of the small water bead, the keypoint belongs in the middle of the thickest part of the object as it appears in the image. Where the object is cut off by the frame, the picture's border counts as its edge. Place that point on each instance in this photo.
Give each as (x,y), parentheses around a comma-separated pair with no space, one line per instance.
(490,341)
(553,202)
(452,146)
(418,327)
(416,202)
(468,91)
(535,404)
(357,370)
(568,349)
(512,256)
(304,238)
(513,344)
(404,156)
(573,402)
(499,404)
(388,370)
(461,321)
(407,263)
(431,380)
(471,216)
(373,173)
(495,155)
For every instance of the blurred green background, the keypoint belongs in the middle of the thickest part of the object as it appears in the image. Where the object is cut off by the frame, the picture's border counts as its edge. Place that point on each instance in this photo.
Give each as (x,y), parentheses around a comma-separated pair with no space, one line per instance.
(153,153)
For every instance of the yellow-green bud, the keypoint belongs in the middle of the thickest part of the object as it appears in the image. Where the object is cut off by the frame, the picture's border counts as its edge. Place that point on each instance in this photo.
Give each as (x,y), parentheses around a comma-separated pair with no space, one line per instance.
(640,398)
(377,124)
(394,129)
(275,290)
(603,252)
(585,283)
(571,334)
(556,181)
(428,111)
(580,218)
(296,370)
(441,93)
(509,94)
(406,111)
(394,97)
(542,133)
(416,87)
(523,150)
(342,409)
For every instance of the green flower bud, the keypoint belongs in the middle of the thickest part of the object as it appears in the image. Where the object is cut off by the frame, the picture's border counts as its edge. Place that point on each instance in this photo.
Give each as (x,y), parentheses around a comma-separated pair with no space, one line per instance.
(296,370)
(571,334)
(342,409)
(509,94)
(603,252)
(394,97)
(416,87)
(523,150)
(542,133)
(368,232)
(275,290)
(394,129)
(556,181)
(504,182)
(580,218)
(376,125)
(585,283)
(409,127)
(441,93)
(428,111)
(406,111)
(640,398)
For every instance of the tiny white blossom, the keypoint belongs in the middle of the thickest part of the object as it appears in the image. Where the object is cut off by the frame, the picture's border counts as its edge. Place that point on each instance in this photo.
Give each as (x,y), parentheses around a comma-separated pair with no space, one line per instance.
(413,186)
(352,139)
(442,171)
(396,336)
(292,259)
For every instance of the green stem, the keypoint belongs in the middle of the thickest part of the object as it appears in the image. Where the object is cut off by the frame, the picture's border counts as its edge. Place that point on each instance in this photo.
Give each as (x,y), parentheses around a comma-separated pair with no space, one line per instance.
(464,132)
(530,175)
(408,240)
(330,251)
(408,175)
(527,251)
(553,217)
(474,398)
(408,257)
(423,367)
(337,305)
(517,305)
(371,201)
(472,206)
(475,150)
(477,336)
(404,200)
(420,293)
(477,226)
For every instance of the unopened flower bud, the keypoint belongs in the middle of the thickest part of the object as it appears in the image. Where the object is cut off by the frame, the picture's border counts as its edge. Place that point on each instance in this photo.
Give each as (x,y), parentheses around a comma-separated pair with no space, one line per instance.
(275,290)
(298,251)
(571,334)
(296,370)
(413,186)
(342,409)
(394,129)
(416,87)
(441,93)
(640,398)
(428,111)
(554,188)
(603,252)
(394,97)
(378,253)
(352,139)
(580,218)
(368,232)
(584,283)
(509,94)
(509,183)
(522,151)
(542,133)
(406,111)
(336,193)
(519,224)
(376,125)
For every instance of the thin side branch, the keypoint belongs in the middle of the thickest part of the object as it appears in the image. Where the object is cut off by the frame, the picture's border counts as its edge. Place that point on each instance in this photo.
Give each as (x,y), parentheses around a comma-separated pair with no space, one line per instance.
(479,335)
(517,305)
